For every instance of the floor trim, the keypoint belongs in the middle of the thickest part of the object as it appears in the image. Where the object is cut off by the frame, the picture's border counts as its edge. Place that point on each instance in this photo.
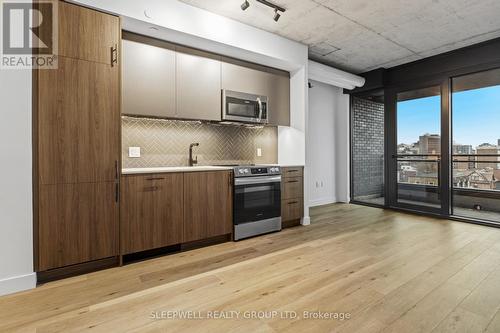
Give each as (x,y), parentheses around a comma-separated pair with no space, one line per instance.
(322,201)
(17,283)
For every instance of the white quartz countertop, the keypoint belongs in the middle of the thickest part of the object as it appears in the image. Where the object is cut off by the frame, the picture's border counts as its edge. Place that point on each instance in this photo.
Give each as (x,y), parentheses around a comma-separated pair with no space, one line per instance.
(134,171)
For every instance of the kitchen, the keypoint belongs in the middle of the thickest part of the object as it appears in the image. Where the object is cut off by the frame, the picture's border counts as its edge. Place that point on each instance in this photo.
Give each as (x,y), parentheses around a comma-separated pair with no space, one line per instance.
(154,148)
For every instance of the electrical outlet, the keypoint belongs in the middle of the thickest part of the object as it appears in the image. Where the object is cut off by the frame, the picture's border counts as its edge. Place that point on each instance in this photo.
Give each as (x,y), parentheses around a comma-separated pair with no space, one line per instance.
(321,183)
(317,184)
(134,152)
(259,152)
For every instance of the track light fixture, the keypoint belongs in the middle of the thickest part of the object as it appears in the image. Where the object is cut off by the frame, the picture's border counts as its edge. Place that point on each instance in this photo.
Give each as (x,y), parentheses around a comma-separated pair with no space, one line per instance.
(245,5)
(277,9)
(276,15)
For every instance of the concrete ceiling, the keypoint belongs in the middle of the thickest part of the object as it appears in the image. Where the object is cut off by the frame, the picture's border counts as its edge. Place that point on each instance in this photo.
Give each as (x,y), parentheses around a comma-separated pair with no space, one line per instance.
(361,35)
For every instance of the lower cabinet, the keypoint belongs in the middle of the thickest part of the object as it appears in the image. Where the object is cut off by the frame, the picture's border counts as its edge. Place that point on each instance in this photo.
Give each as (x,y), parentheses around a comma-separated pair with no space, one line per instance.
(292,196)
(207,204)
(77,223)
(151,211)
(159,210)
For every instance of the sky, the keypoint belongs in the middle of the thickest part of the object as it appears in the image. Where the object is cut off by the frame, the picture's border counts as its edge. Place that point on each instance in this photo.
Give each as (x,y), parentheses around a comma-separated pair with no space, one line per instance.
(475,117)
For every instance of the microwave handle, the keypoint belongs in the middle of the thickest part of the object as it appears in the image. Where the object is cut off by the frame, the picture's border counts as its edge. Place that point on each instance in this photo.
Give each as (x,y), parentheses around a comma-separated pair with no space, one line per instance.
(260,108)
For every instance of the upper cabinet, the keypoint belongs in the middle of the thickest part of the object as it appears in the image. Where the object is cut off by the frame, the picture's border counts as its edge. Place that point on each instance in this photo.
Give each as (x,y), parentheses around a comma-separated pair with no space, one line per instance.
(244,79)
(198,94)
(279,99)
(170,81)
(87,34)
(148,76)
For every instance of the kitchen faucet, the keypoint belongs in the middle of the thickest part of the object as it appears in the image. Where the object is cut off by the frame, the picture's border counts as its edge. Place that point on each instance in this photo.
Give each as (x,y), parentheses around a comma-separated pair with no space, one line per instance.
(193,161)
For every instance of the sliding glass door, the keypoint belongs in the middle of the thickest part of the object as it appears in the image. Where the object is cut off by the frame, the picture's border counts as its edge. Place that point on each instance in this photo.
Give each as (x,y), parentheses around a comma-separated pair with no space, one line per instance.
(418,163)
(476,146)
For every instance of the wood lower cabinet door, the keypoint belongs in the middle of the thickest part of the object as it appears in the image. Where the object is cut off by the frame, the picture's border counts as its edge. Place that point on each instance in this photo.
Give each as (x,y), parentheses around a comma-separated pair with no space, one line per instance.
(151,211)
(292,188)
(77,223)
(78,122)
(292,209)
(207,204)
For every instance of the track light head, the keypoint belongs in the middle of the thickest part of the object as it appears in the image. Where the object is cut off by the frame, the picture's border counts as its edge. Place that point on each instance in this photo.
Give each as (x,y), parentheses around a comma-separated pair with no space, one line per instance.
(276,15)
(245,5)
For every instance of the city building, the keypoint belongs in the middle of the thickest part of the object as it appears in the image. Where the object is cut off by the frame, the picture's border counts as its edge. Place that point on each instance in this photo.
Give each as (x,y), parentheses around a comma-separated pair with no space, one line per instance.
(489,161)
(468,161)
(430,144)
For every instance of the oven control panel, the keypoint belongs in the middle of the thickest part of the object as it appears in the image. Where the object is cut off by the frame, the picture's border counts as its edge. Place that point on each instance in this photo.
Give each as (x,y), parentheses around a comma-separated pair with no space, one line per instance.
(249,171)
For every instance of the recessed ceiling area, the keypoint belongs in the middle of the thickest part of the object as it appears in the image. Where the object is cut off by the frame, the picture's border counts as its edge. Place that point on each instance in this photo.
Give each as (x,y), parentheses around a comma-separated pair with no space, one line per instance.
(361,35)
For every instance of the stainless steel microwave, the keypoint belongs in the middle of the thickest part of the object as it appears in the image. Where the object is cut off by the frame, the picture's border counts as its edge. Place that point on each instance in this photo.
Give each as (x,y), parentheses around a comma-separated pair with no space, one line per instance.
(242,107)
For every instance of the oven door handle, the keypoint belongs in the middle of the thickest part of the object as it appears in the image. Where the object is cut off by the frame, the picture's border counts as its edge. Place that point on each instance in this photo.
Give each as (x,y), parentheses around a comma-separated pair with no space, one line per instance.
(257,180)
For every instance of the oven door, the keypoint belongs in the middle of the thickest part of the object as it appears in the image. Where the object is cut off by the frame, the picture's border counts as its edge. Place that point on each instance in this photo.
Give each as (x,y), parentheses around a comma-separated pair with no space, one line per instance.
(257,198)
(244,107)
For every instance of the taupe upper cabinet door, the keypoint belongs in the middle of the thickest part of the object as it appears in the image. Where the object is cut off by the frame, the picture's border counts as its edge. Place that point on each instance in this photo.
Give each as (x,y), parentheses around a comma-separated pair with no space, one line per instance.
(87,34)
(279,100)
(78,122)
(198,86)
(148,80)
(243,79)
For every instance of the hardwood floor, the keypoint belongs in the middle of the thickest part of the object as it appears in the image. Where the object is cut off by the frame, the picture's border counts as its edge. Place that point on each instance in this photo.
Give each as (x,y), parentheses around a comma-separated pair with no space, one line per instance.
(388,271)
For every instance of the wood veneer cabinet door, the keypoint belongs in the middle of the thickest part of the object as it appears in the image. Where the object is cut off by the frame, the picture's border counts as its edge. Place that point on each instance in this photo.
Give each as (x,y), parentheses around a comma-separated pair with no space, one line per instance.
(87,34)
(292,209)
(207,204)
(77,223)
(148,80)
(198,88)
(78,122)
(151,211)
(77,155)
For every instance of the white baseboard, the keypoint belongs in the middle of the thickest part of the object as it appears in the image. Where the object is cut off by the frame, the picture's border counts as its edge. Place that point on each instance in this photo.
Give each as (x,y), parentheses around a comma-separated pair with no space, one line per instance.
(17,283)
(306,220)
(322,201)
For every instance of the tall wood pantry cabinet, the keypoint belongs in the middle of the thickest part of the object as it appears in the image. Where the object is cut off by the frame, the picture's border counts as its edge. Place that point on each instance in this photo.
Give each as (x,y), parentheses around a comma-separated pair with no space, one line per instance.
(76,131)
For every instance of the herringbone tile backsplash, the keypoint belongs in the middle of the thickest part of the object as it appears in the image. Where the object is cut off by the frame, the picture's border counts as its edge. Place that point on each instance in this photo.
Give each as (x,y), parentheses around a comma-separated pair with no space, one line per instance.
(166,143)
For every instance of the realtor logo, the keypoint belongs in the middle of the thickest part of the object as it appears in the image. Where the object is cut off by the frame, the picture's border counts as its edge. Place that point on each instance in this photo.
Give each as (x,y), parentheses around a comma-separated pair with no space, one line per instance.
(29,34)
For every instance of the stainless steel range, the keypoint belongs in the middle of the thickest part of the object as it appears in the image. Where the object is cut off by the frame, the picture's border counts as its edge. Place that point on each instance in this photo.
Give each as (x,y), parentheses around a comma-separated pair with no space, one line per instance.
(257,200)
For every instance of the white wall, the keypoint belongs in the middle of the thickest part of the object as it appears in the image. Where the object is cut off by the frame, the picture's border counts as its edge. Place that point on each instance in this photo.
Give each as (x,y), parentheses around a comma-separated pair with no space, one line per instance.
(327,145)
(16,226)
(321,143)
(342,148)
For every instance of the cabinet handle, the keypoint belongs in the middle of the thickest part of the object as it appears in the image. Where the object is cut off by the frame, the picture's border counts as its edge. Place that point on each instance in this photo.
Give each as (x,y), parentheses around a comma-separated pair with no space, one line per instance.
(288,171)
(116,170)
(114,55)
(293,202)
(151,188)
(292,181)
(155,178)
(117,192)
